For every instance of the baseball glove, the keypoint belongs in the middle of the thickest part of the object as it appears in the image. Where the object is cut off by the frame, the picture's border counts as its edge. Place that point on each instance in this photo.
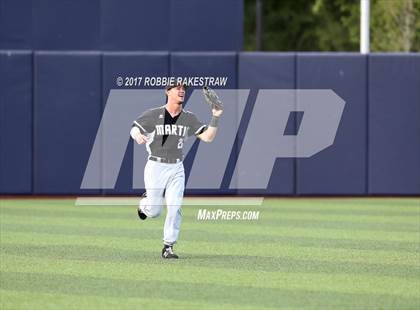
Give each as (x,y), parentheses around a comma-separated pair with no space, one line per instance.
(212,98)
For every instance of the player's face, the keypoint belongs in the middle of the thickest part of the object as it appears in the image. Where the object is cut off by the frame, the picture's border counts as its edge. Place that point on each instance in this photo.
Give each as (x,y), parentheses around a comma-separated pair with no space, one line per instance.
(176,94)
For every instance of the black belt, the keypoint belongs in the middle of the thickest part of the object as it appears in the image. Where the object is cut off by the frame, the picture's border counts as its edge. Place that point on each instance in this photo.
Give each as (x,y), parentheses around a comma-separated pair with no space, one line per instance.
(165,160)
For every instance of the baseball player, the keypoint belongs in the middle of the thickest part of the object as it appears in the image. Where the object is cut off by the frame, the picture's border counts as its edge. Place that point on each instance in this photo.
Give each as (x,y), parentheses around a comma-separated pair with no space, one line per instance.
(164,130)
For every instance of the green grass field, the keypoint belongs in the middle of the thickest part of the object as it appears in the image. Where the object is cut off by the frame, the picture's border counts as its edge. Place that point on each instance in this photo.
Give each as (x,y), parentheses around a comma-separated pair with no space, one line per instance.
(301,253)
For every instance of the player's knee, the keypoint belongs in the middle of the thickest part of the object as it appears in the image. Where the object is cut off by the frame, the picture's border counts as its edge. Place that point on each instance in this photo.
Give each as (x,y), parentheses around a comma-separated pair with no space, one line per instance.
(155,212)
(173,212)
(154,207)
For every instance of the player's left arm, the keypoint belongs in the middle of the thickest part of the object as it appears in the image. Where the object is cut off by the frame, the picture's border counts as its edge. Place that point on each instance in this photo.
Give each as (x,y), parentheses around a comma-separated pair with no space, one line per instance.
(210,133)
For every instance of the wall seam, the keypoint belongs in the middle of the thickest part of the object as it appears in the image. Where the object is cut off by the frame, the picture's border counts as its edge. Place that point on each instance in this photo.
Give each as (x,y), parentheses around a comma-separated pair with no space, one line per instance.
(367,141)
(295,163)
(101,110)
(33,126)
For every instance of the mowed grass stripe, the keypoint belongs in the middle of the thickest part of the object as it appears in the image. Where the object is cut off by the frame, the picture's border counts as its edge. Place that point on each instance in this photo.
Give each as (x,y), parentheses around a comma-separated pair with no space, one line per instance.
(222,295)
(132,220)
(36,299)
(348,283)
(213,248)
(329,202)
(283,222)
(307,252)
(241,262)
(273,219)
(135,224)
(340,207)
(272,210)
(155,233)
(129,288)
(370,202)
(245,228)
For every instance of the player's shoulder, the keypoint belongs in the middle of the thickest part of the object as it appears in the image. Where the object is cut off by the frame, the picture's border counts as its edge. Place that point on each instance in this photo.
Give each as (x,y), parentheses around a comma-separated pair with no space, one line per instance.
(188,113)
(153,112)
(156,110)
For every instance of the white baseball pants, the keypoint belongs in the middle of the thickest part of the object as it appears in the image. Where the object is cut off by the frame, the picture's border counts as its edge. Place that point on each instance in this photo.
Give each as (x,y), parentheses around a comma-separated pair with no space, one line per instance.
(160,178)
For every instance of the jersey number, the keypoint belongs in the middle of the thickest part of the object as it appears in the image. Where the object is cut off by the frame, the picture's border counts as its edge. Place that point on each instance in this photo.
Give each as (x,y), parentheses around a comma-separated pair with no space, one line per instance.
(180,143)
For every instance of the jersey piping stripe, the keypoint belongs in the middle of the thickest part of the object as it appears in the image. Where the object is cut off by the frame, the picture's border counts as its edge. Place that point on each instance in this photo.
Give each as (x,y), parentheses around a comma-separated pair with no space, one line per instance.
(150,139)
(141,127)
(199,129)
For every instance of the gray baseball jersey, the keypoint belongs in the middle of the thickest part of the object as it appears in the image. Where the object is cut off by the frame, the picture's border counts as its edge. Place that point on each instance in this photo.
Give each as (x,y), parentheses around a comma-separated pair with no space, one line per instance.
(166,134)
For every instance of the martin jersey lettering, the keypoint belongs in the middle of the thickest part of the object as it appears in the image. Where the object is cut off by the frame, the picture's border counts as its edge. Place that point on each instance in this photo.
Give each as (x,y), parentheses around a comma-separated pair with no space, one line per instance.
(166,134)
(175,130)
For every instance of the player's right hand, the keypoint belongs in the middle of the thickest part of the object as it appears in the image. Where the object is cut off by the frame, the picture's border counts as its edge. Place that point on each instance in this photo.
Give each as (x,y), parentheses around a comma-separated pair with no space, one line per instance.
(141,139)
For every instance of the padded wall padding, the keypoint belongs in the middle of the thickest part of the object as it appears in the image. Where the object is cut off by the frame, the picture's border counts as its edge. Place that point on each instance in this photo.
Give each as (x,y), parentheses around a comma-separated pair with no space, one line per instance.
(66,25)
(129,25)
(67,111)
(394,124)
(15,122)
(268,71)
(15,24)
(341,168)
(51,105)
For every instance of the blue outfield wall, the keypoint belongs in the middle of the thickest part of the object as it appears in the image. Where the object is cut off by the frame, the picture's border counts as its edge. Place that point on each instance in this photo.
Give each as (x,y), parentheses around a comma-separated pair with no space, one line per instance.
(67,109)
(341,168)
(268,71)
(394,124)
(133,25)
(16,85)
(51,105)
(130,25)
(217,25)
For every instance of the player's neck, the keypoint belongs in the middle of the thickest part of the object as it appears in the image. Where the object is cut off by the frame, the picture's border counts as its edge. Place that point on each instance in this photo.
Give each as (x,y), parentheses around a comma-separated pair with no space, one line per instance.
(173,108)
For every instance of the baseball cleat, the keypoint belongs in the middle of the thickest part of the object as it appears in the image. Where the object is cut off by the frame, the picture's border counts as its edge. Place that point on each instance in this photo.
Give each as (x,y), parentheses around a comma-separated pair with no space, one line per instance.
(167,252)
(140,213)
